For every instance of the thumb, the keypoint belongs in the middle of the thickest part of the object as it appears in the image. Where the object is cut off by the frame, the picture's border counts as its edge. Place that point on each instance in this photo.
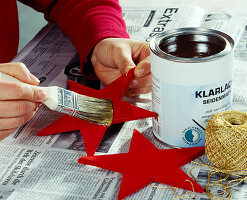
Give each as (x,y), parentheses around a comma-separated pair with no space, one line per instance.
(21,91)
(124,61)
(19,71)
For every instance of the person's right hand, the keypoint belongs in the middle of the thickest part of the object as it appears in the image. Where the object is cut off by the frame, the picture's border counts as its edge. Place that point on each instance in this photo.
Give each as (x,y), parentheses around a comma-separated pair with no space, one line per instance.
(18,101)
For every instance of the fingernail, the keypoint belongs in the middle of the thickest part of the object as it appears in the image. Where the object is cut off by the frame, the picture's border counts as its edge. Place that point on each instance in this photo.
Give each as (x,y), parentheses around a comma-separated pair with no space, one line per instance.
(140,71)
(34,78)
(134,83)
(41,95)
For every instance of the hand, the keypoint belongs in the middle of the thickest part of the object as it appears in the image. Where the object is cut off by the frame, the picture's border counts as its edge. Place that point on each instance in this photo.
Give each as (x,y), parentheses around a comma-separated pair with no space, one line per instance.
(18,102)
(113,57)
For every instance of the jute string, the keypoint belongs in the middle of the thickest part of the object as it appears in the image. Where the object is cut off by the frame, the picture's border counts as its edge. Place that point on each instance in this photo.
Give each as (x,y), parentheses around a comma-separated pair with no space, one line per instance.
(222,184)
(226,141)
(226,148)
(184,196)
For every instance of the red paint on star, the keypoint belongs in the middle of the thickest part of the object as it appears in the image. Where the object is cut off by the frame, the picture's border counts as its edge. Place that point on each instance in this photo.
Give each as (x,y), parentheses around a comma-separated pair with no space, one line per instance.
(91,133)
(144,164)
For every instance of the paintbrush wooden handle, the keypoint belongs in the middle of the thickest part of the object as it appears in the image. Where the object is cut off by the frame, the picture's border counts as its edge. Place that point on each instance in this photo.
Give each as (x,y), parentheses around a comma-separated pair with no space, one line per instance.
(51,92)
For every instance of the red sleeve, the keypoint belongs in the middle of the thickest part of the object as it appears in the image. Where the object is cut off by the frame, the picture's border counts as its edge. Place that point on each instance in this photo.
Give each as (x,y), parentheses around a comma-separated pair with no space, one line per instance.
(86,22)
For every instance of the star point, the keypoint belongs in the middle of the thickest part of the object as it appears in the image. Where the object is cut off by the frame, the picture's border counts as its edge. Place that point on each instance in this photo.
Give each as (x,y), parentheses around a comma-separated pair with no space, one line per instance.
(145,163)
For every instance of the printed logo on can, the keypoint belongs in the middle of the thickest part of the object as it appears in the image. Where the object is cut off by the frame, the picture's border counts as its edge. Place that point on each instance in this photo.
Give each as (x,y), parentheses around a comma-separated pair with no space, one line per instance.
(192,135)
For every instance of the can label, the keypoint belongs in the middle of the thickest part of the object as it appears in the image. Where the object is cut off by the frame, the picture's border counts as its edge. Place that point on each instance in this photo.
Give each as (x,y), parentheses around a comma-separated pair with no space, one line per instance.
(185,110)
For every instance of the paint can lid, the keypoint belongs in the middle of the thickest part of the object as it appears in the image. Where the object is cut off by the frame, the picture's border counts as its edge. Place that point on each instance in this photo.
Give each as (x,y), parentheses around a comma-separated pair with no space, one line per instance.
(191,45)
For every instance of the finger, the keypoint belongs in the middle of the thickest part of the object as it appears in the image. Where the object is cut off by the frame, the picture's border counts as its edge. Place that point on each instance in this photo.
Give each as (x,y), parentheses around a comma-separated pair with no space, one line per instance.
(143,67)
(131,92)
(145,51)
(141,82)
(105,74)
(113,53)
(6,133)
(16,108)
(123,58)
(11,91)
(15,122)
(19,71)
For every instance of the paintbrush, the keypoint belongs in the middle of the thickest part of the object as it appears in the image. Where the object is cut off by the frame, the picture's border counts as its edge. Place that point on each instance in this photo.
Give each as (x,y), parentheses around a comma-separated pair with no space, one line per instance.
(94,110)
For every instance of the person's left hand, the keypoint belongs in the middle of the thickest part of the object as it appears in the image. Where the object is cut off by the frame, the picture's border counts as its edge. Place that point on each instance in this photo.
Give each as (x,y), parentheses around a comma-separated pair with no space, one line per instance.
(113,57)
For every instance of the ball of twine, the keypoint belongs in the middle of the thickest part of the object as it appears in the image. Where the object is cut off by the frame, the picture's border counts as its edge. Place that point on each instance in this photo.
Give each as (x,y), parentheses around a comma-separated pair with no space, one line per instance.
(226,141)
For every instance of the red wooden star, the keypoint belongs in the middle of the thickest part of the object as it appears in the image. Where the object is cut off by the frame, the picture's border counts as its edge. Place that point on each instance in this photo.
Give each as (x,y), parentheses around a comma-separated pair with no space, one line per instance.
(144,164)
(91,133)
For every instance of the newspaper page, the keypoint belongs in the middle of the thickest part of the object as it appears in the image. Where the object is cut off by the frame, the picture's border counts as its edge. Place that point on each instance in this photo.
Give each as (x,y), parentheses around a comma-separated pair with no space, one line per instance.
(46,167)
(234,25)
(144,23)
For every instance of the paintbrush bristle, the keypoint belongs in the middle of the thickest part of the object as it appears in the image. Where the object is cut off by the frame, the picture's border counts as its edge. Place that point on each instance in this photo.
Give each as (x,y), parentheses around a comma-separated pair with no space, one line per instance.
(98,111)
(94,110)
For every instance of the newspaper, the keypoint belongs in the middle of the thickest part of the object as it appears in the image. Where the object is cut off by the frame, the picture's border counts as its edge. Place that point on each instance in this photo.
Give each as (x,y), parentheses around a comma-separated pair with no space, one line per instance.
(33,167)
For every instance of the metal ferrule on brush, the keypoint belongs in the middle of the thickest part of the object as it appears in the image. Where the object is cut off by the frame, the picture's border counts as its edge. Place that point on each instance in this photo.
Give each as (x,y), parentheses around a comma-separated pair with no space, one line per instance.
(67,102)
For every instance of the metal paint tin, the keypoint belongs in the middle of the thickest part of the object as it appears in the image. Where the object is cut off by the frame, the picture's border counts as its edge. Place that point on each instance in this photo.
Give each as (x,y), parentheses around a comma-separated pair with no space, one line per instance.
(191,79)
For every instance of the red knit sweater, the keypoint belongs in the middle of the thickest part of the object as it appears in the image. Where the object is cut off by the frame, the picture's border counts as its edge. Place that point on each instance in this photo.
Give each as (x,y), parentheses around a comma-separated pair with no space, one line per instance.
(86,22)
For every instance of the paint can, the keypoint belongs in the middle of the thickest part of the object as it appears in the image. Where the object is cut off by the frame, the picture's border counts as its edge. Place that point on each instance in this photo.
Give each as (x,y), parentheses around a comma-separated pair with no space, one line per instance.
(191,80)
